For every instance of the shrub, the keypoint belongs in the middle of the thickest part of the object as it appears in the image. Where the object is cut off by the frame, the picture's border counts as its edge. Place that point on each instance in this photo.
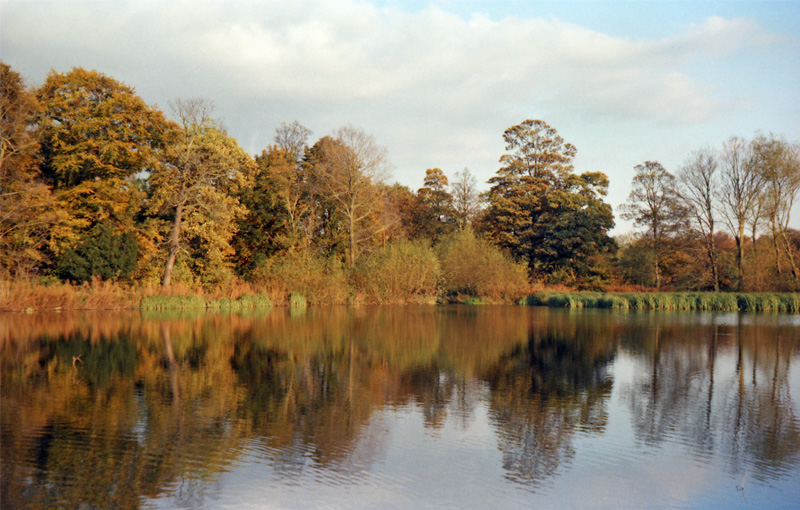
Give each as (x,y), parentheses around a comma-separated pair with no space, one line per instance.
(319,280)
(472,266)
(403,272)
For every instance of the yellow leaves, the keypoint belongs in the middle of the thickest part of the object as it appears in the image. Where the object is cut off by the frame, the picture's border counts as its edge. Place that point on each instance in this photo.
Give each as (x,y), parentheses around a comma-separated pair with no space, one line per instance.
(94,126)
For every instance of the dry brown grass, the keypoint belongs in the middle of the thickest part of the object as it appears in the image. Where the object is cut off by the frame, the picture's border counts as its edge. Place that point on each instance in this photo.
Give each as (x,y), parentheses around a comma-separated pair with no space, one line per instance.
(95,295)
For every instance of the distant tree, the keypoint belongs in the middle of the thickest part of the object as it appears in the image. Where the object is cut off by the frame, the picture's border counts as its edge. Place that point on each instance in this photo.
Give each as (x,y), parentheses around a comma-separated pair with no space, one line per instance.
(435,207)
(573,227)
(348,169)
(538,162)
(540,211)
(292,138)
(197,184)
(466,199)
(401,205)
(273,200)
(698,188)
(741,185)
(654,204)
(778,163)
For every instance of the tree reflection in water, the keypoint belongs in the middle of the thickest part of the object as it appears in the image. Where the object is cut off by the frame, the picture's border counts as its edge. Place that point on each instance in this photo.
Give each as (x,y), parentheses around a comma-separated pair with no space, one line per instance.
(722,388)
(164,405)
(547,389)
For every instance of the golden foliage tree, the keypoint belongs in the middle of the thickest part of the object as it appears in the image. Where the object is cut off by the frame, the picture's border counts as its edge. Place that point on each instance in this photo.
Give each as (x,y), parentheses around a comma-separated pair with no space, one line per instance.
(27,207)
(196,186)
(97,136)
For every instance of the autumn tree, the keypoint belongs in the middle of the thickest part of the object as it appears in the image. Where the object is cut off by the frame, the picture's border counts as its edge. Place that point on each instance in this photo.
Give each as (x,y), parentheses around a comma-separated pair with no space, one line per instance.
(97,135)
(279,200)
(655,205)
(28,209)
(778,163)
(537,162)
(466,199)
(292,138)
(401,204)
(540,210)
(572,228)
(348,168)
(196,188)
(434,215)
(698,188)
(269,226)
(741,185)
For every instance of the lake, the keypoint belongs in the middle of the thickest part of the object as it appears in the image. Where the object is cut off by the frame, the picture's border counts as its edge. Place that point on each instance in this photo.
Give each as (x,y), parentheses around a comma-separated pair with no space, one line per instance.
(400,407)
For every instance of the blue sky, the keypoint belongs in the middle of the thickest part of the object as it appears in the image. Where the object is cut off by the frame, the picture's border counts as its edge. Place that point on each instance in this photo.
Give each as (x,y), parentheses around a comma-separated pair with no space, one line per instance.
(438,82)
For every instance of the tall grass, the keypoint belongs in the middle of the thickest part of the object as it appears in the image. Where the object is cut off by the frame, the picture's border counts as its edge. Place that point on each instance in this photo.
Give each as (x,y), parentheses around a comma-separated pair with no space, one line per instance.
(707,301)
(55,295)
(297,301)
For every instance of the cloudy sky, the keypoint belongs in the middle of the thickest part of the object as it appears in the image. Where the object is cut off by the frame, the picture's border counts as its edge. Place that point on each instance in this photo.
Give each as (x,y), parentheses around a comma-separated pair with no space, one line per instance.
(437,82)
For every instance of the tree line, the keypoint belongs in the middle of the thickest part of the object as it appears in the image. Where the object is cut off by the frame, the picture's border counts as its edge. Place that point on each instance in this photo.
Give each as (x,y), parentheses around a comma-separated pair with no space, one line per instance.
(97,184)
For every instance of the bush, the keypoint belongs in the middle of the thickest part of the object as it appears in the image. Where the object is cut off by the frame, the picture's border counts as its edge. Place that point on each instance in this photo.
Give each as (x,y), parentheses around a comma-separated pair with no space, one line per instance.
(472,266)
(403,272)
(319,280)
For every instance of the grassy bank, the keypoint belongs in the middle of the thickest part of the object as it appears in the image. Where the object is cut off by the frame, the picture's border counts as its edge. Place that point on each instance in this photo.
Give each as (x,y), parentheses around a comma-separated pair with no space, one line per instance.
(245,302)
(706,301)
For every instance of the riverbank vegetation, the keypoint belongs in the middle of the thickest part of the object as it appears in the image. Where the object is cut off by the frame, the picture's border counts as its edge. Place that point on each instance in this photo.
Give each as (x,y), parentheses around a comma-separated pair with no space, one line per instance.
(702,301)
(108,202)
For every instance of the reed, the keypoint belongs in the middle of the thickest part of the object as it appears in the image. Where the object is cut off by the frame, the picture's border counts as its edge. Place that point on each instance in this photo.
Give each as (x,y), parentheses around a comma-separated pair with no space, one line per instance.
(297,301)
(705,301)
(189,302)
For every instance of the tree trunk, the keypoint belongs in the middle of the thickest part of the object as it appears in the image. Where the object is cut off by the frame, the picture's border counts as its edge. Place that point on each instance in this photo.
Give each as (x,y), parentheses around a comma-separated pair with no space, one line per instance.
(658,271)
(174,244)
(352,240)
(777,254)
(776,245)
(657,256)
(712,254)
(740,258)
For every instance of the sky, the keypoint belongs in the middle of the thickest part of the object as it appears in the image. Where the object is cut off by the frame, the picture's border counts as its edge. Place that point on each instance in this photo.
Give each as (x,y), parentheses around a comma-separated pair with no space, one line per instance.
(437,82)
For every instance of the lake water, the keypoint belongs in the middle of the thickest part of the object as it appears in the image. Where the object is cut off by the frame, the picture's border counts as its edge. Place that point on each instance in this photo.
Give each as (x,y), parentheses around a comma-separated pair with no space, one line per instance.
(400,407)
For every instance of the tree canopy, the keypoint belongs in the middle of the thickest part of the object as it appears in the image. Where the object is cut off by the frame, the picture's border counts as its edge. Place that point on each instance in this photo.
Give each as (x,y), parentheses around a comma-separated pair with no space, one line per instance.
(540,210)
(97,184)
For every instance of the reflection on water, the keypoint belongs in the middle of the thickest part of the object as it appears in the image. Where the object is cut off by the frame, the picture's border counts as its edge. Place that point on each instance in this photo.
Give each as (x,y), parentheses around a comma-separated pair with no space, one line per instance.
(404,407)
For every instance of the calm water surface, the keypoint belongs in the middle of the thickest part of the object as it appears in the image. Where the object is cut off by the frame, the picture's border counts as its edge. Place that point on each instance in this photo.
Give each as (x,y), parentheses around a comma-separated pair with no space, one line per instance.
(400,407)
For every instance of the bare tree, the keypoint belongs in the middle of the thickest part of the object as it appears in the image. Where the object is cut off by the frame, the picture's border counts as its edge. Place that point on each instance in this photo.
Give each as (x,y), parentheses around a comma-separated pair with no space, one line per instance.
(698,188)
(740,189)
(654,204)
(778,162)
(466,199)
(293,138)
(349,168)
